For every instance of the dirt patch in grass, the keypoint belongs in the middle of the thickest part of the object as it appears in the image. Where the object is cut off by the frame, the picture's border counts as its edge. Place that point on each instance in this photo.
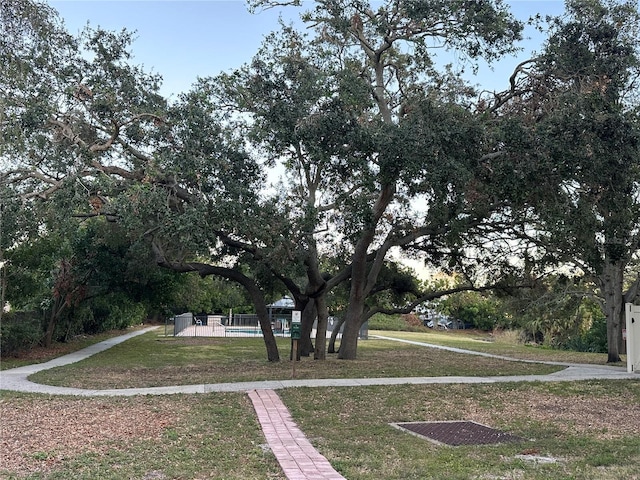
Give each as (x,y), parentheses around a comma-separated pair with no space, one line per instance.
(591,427)
(39,434)
(603,418)
(36,436)
(143,437)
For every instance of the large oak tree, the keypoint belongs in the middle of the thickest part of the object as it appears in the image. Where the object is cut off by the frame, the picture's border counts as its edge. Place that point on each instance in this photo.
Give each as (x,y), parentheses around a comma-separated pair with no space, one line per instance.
(86,134)
(575,144)
(393,139)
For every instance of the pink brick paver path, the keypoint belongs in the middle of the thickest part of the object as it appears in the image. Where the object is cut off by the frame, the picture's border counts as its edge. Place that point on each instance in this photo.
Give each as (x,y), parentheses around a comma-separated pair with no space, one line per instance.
(296,455)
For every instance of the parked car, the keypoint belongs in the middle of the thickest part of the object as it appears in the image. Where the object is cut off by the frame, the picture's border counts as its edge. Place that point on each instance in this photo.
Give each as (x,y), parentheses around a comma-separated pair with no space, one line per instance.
(442,322)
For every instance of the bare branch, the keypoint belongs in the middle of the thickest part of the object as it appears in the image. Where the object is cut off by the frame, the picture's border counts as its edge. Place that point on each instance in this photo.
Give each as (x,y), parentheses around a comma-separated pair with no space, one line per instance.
(101,147)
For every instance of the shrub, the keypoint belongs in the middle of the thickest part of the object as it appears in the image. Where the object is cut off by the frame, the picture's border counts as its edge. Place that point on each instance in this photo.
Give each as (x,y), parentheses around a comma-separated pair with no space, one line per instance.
(386,322)
(398,323)
(18,332)
(124,315)
(411,320)
(115,311)
(593,340)
(473,308)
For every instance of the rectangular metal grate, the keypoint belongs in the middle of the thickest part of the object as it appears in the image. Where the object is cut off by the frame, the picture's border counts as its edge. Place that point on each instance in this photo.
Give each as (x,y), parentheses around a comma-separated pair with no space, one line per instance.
(457,433)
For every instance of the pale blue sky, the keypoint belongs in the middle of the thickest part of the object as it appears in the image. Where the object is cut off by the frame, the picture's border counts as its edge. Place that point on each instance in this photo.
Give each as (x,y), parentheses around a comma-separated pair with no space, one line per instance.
(182,40)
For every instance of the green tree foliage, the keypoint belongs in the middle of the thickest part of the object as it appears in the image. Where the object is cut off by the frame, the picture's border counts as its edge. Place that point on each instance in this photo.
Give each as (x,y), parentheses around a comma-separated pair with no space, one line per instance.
(19,332)
(592,337)
(483,311)
(380,149)
(90,278)
(381,129)
(556,309)
(87,135)
(577,148)
(364,130)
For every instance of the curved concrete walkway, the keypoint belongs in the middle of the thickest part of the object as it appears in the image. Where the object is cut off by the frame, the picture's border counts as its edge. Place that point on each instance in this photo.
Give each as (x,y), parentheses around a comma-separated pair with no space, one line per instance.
(297,457)
(16,379)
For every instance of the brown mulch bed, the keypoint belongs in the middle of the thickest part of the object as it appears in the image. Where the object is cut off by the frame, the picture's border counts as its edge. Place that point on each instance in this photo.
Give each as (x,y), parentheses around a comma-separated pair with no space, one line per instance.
(37,434)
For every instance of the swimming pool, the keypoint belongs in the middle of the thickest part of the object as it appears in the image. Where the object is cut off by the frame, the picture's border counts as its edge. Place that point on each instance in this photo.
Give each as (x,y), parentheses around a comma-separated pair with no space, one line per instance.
(256,331)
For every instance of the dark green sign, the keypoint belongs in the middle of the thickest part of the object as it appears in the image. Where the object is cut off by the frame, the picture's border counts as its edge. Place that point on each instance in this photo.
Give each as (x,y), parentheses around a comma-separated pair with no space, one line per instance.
(295,331)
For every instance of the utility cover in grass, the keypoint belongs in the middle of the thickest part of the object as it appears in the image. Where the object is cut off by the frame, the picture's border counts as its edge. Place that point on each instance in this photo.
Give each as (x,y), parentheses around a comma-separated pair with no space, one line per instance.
(457,433)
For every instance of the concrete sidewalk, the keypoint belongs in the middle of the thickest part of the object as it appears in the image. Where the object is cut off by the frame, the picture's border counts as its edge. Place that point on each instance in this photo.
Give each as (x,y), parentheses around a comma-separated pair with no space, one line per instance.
(586,367)
(18,382)
(16,379)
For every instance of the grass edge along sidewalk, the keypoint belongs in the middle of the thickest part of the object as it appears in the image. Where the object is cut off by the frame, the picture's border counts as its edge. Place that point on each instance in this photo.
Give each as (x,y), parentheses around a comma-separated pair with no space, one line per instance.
(16,379)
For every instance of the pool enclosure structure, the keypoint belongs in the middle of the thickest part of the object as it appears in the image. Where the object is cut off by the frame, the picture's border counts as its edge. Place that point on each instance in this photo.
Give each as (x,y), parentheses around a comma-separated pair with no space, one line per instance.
(239,324)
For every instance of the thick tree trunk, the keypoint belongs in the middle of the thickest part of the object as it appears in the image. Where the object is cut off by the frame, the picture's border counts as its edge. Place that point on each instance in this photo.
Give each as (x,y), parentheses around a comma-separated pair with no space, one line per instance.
(321,330)
(316,294)
(349,342)
(54,316)
(265,322)
(611,283)
(305,345)
(355,308)
(334,335)
(265,325)
(362,277)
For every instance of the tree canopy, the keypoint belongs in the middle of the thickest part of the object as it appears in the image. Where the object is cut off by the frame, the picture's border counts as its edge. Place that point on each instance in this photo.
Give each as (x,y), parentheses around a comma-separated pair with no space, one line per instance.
(576,114)
(381,149)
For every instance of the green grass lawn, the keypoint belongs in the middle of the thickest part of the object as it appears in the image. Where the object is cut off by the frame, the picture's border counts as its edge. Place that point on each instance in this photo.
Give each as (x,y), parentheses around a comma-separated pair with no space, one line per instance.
(152,360)
(586,430)
(579,426)
(499,344)
(152,438)
(41,354)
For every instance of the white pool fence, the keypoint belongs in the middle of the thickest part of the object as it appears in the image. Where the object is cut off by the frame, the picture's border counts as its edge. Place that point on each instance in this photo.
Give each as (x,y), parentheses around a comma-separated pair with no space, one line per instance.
(238,325)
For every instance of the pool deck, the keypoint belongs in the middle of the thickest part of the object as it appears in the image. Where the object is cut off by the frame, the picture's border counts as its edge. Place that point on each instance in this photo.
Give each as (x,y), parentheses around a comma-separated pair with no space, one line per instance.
(218,330)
